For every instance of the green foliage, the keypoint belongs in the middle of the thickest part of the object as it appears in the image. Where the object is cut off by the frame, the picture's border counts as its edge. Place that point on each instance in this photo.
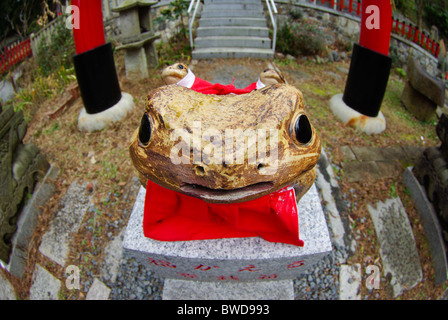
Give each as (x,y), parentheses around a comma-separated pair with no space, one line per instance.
(300,38)
(401,72)
(177,9)
(436,14)
(56,52)
(53,72)
(18,17)
(177,48)
(296,14)
(407,7)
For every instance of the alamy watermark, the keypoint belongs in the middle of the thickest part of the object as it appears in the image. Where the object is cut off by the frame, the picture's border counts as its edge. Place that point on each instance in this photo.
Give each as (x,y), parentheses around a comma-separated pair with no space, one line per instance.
(73,19)
(73,277)
(233,146)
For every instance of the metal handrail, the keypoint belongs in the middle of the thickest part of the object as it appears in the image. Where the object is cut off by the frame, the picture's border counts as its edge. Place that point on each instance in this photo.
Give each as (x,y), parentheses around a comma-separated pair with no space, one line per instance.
(191,22)
(272,8)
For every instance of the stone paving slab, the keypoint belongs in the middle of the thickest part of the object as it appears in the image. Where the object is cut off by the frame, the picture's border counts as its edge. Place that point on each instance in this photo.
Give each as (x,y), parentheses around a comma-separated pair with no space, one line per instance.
(376,162)
(56,241)
(199,290)
(397,244)
(350,282)
(6,289)
(98,291)
(44,285)
(27,222)
(334,205)
(113,254)
(358,170)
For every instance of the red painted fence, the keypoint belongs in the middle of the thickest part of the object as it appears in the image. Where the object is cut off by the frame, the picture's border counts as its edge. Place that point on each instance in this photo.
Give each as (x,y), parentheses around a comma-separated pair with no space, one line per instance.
(14,54)
(401,28)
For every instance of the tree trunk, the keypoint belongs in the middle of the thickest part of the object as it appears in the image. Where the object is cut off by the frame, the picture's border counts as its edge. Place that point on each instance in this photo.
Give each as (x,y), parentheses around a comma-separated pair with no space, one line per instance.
(420,4)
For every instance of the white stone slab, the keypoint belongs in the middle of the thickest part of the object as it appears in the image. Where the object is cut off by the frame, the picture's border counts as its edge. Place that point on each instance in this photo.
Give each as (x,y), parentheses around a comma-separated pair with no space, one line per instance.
(397,244)
(113,253)
(56,241)
(350,282)
(245,259)
(7,291)
(45,286)
(175,289)
(327,187)
(98,291)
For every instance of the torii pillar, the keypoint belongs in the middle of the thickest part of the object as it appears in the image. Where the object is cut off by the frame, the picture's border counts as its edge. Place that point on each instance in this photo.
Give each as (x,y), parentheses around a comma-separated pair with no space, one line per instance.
(370,66)
(104,102)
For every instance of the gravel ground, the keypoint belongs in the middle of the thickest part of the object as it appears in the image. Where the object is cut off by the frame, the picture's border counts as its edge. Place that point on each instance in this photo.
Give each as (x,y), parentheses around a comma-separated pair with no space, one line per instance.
(322,281)
(134,282)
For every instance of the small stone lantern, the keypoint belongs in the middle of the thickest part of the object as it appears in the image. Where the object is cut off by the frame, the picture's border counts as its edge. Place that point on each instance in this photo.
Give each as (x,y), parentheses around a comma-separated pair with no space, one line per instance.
(137,37)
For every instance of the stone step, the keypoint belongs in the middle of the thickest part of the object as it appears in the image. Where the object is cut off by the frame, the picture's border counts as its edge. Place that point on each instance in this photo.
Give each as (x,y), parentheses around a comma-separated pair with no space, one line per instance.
(232,31)
(240,42)
(232,13)
(238,21)
(174,289)
(232,52)
(233,6)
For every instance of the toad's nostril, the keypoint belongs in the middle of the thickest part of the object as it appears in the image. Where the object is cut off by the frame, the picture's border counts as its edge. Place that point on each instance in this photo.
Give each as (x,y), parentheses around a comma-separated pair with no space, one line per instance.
(199,171)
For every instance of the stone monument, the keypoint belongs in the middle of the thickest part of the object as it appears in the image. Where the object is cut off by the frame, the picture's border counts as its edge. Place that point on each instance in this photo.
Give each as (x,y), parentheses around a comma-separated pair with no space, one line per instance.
(137,37)
(21,166)
(422,92)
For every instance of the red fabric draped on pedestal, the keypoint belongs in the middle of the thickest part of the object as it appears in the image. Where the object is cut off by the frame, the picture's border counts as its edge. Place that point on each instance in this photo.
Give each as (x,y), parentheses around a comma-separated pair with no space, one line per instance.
(173,216)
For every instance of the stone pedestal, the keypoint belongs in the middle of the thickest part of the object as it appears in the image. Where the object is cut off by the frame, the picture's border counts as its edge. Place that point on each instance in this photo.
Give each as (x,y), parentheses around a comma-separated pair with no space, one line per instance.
(139,56)
(245,259)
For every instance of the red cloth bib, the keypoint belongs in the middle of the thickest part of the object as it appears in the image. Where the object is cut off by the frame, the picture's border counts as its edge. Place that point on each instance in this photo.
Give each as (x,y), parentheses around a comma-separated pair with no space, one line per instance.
(206,87)
(173,216)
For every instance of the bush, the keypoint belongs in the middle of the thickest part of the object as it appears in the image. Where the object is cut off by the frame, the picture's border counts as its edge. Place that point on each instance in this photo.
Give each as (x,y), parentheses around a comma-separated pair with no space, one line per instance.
(300,38)
(57,52)
(435,14)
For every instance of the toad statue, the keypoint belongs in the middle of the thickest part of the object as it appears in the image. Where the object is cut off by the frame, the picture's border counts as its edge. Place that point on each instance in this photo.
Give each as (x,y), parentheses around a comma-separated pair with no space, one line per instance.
(230,164)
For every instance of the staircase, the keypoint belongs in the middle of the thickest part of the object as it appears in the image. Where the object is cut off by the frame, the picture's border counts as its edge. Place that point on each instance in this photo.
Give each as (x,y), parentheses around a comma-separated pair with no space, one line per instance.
(232,29)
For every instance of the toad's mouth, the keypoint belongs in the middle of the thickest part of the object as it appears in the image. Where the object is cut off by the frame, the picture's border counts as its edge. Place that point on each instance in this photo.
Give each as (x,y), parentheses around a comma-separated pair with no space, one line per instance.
(226,196)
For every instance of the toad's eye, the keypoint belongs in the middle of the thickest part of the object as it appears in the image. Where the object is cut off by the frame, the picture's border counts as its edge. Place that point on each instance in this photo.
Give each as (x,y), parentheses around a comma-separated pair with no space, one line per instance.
(179,66)
(303,130)
(266,70)
(144,133)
